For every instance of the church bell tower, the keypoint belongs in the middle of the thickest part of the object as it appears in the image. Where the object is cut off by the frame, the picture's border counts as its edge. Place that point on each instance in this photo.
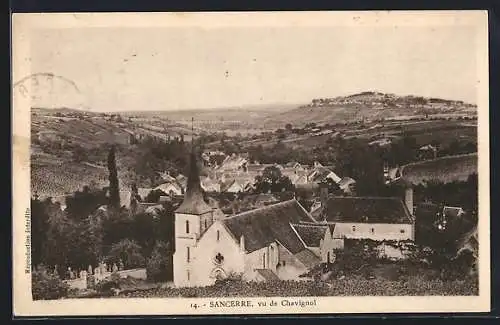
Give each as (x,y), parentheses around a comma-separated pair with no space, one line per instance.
(192,219)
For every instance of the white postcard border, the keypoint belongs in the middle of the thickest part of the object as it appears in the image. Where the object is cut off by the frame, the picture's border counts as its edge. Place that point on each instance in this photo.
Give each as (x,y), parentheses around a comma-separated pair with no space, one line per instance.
(23,305)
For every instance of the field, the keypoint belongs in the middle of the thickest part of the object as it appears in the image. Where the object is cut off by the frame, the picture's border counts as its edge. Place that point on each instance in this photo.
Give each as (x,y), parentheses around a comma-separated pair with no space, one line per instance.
(445,169)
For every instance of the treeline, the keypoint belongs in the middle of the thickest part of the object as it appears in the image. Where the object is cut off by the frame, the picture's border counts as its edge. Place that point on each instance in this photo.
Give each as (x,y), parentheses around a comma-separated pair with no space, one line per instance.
(95,227)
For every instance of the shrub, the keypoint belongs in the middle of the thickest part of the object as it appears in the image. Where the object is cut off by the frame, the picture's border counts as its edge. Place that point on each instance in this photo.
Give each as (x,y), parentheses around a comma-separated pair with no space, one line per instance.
(47,286)
(127,251)
(107,286)
(159,264)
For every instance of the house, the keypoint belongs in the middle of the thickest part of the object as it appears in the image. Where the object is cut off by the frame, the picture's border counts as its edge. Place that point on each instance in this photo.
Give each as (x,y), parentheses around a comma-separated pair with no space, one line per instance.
(170,188)
(428,152)
(234,163)
(320,174)
(319,238)
(209,185)
(376,218)
(452,212)
(347,184)
(381,142)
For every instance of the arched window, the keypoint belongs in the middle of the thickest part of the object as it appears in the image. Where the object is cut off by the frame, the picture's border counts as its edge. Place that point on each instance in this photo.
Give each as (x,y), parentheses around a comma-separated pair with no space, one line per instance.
(187,227)
(206,223)
(402,231)
(218,235)
(353,228)
(328,257)
(187,254)
(264,261)
(373,230)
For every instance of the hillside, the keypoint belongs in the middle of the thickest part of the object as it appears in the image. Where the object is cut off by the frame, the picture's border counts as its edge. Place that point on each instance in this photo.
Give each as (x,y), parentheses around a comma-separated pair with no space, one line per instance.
(445,169)
(370,106)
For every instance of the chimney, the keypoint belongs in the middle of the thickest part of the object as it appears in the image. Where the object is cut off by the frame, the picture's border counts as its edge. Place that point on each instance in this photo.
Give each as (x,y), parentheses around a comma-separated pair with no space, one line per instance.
(242,243)
(409,198)
(323,196)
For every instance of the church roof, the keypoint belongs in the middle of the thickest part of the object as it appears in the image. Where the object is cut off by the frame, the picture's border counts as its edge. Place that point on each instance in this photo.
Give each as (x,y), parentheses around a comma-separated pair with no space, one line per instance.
(193,199)
(268,224)
(308,258)
(366,210)
(311,234)
(267,275)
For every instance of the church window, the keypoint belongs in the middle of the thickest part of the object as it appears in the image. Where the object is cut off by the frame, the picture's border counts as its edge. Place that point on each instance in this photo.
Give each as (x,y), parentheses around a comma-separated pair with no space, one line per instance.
(402,231)
(188,276)
(187,227)
(219,258)
(353,228)
(264,261)
(206,223)
(218,235)
(187,254)
(373,230)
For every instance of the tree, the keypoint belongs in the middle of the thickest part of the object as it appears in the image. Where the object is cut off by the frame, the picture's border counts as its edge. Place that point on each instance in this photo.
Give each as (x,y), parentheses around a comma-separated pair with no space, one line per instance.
(272,180)
(159,266)
(47,285)
(114,189)
(128,251)
(39,228)
(82,203)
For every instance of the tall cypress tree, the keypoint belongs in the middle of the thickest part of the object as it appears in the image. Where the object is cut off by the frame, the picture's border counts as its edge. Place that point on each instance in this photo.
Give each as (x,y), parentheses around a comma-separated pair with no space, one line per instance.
(114,194)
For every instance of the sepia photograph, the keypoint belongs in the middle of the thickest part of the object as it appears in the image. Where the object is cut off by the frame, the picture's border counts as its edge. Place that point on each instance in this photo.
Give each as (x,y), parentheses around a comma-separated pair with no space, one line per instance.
(250,163)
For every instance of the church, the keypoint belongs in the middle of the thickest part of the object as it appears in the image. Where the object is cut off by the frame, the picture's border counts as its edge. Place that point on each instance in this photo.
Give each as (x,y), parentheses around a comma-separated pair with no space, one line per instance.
(281,241)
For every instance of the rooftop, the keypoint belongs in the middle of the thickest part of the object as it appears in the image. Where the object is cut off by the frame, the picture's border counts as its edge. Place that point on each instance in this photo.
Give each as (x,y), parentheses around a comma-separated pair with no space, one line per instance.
(366,210)
(265,225)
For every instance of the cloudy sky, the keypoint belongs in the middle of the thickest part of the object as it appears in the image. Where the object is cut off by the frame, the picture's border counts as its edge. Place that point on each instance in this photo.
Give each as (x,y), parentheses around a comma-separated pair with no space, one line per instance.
(119,69)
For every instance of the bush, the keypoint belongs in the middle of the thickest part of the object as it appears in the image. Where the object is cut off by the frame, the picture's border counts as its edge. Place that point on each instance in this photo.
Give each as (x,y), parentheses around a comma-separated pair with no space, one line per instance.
(47,286)
(107,286)
(159,265)
(127,251)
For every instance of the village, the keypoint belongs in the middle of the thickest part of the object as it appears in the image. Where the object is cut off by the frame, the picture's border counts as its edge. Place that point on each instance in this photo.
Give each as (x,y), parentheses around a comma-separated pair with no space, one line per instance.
(233,217)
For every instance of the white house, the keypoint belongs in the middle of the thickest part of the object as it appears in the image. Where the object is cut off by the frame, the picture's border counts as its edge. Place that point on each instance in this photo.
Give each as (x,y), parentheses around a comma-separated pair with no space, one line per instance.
(171,188)
(376,218)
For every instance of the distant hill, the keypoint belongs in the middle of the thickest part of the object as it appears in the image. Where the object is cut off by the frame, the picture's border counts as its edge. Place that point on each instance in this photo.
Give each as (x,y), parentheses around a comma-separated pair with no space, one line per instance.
(370,106)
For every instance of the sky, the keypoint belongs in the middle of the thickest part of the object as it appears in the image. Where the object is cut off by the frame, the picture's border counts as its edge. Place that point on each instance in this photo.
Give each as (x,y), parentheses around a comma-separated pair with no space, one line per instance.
(175,68)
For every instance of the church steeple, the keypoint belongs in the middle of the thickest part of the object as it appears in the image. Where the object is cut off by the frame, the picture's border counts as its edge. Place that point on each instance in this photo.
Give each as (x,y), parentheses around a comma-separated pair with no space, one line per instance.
(193,199)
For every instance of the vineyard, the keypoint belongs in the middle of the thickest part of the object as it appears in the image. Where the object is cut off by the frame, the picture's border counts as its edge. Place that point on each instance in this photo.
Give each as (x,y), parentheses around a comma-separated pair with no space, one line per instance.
(351,286)
(445,169)
(63,177)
